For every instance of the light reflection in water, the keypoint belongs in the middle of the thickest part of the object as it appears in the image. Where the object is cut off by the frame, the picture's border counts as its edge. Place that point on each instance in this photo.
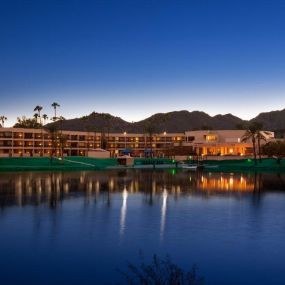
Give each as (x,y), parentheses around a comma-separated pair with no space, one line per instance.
(228,182)
(96,220)
(35,188)
(123,211)
(163,212)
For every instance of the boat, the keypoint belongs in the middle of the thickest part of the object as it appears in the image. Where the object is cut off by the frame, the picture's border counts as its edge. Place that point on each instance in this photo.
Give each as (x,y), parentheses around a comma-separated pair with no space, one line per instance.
(193,167)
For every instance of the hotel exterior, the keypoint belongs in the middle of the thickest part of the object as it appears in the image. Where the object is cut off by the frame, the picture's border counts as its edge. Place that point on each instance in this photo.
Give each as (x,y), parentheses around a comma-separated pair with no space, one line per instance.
(222,142)
(16,142)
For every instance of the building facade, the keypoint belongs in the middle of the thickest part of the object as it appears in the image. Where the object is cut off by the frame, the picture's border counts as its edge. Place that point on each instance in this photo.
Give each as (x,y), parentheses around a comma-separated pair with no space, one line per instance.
(222,142)
(36,142)
(16,142)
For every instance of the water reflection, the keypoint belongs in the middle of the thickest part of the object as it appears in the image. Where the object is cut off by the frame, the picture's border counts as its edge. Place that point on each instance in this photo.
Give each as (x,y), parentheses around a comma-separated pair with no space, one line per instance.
(163,212)
(35,188)
(123,210)
(96,219)
(226,182)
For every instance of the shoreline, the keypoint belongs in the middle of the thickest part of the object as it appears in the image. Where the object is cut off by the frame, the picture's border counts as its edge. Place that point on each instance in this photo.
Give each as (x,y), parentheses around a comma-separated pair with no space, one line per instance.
(94,164)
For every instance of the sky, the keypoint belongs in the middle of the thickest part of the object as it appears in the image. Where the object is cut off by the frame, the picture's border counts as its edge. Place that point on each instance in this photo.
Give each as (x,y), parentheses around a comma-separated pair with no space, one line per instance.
(133,58)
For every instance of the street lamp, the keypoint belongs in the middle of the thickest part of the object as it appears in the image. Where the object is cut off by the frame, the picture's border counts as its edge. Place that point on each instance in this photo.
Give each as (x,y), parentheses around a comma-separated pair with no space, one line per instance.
(164,133)
(125,134)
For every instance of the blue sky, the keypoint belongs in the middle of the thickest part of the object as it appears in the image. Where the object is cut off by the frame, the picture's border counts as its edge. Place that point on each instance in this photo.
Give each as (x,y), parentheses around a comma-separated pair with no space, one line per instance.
(135,58)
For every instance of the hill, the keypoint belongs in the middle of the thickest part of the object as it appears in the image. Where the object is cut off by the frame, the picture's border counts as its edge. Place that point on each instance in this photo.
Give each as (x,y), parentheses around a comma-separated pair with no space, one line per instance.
(178,121)
(274,120)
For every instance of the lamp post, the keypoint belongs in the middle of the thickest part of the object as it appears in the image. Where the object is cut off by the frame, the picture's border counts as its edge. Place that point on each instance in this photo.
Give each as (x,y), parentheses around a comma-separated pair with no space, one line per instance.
(164,133)
(125,135)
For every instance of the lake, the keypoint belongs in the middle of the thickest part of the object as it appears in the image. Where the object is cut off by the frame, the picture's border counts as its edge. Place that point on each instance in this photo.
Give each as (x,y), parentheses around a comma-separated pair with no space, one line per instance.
(83,227)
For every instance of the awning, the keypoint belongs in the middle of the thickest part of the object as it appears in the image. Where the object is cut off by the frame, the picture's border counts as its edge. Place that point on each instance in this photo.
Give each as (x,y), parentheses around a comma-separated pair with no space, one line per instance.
(127,151)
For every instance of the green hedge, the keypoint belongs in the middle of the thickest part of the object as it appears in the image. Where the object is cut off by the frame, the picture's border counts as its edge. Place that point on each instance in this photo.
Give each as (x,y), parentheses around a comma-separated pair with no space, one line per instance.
(45,163)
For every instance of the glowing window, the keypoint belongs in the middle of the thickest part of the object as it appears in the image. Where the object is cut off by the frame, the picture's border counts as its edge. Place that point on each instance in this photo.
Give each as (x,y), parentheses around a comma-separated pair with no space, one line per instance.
(211,138)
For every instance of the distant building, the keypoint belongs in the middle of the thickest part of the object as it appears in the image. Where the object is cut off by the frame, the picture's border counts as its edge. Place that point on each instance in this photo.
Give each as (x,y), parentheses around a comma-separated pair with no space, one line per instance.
(221,142)
(16,142)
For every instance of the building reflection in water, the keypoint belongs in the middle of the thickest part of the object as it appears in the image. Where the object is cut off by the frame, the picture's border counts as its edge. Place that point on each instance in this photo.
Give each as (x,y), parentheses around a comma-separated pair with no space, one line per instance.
(52,188)
(225,182)
(157,188)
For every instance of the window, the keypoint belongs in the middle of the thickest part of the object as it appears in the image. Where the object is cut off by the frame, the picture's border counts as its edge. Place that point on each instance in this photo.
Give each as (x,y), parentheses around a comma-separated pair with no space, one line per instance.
(5,143)
(211,138)
(28,135)
(5,135)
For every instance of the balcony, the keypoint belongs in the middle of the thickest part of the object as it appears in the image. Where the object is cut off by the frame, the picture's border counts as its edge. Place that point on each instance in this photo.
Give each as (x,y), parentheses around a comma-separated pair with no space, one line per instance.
(6,135)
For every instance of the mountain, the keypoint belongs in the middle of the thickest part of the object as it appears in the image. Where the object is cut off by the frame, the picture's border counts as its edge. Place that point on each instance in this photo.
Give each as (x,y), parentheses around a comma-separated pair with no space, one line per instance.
(95,122)
(274,120)
(178,121)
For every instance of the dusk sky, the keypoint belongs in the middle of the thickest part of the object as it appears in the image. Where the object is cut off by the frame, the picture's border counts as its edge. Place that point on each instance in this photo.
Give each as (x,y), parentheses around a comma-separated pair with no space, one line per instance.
(135,58)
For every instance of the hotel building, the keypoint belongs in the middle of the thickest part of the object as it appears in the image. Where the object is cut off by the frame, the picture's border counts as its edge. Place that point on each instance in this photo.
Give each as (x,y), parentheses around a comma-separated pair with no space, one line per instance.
(222,142)
(16,142)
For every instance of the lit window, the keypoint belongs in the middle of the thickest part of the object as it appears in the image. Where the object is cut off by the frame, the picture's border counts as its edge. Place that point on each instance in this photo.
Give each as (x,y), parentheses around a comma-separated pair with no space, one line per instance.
(211,138)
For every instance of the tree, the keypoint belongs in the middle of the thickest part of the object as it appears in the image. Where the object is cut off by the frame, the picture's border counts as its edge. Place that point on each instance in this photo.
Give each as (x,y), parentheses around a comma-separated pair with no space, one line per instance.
(53,132)
(62,139)
(27,123)
(275,149)
(36,116)
(2,120)
(61,119)
(55,105)
(150,129)
(38,109)
(161,272)
(251,134)
(45,117)
(260,137)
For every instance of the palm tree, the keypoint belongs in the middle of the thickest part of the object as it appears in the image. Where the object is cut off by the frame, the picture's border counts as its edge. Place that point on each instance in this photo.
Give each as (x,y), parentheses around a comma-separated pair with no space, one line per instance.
(61,119)
(260,137)
(53,132)
(38,109)
(252,133)
(36,115)
(2,120)
(55,105)
(62,142)
(150,129)
(45,117)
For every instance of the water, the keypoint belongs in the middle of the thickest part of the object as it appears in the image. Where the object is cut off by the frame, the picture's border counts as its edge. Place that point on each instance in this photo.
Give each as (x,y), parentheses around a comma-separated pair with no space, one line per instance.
(81,227)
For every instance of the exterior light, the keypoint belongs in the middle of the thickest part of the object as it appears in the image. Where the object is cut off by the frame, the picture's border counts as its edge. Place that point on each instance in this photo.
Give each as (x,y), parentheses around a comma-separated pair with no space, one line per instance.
(164,133)
(125,133)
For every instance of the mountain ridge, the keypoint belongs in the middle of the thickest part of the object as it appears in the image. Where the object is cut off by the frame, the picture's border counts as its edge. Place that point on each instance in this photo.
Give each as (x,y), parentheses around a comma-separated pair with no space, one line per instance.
(175,121)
